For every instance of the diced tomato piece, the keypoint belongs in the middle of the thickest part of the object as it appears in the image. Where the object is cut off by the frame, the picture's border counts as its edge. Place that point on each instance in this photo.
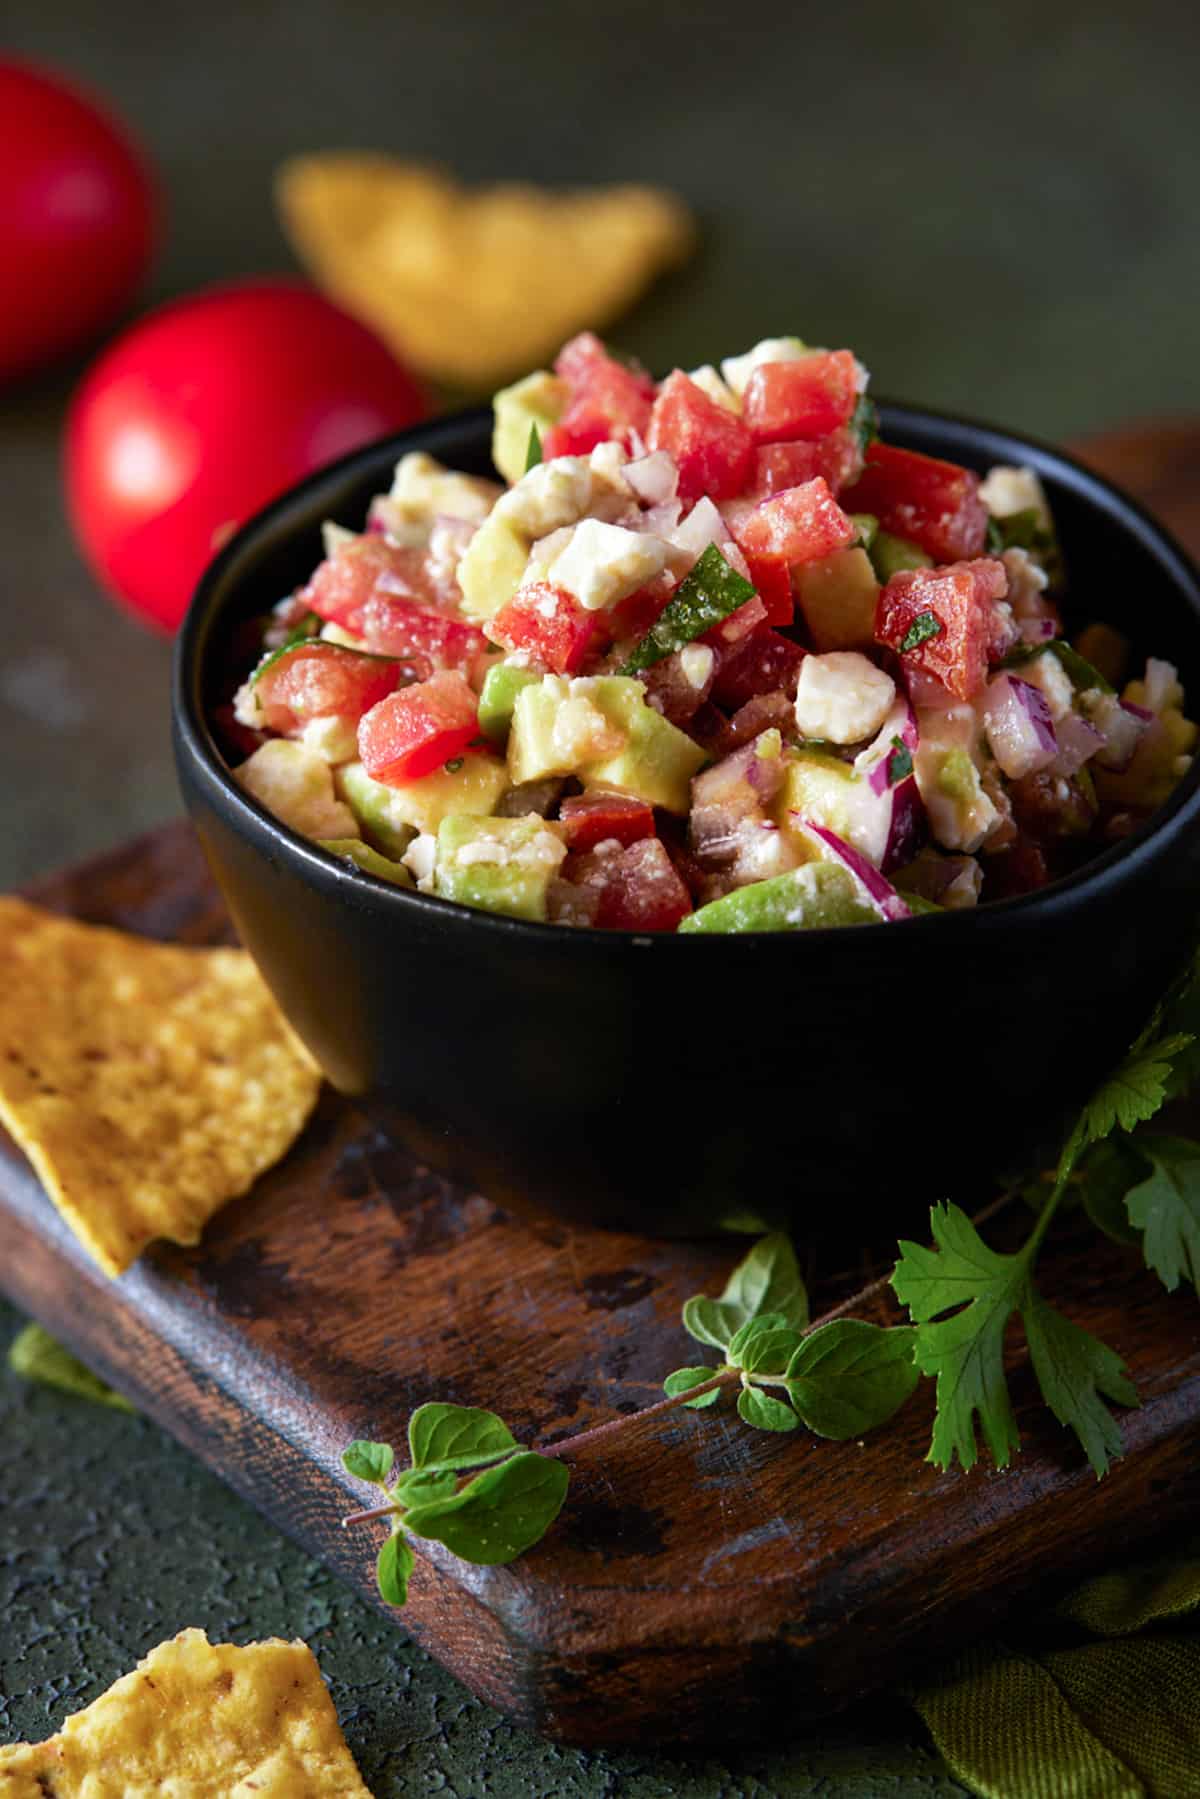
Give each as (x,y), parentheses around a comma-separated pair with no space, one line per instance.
(762,713)
(763,662)
(412,732)
(547,621)
(1021,869)
(935,504)
(711,447)
(631,618)
(341,585)
(592,818)
(745,618)
(639,888)
(945,616)
(806,399)
(322,680)
(781,465)
(419,634)
(607,399)
(800,524)
(773,581)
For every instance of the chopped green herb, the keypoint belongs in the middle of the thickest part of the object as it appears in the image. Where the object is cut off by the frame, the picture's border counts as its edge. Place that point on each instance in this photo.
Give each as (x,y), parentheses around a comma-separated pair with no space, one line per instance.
(706,595)
(864,422)
(900,765)
(38,1356)
(533,454)
(303,632)
(923,627)
(368,1461)
(1077,668)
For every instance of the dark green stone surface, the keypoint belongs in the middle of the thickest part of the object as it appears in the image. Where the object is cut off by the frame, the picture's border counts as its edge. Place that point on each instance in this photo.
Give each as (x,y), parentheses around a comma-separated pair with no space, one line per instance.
(995,207)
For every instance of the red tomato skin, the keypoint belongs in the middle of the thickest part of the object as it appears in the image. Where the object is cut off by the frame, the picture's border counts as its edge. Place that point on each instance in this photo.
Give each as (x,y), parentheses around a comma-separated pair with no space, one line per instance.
(592,818)
(770,576)
(77,218)
(202,413)
(607,399)
(713,450)
(547,621)
(800,524)
(340,587)
(322,680)
(807,399)
(934,504)
(781,465)
(414,731)
(962,598)
(642,891)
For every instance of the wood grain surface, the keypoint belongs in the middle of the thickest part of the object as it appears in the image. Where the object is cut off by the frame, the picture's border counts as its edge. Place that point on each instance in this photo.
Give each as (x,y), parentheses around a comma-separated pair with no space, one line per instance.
(704,1580)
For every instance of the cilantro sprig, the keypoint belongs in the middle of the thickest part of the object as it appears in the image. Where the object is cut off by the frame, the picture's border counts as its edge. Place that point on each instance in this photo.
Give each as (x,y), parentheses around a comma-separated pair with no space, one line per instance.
(471,1486)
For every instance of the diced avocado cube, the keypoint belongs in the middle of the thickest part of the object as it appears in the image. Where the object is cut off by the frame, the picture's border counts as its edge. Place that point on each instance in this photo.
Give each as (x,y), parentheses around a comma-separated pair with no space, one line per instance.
(499,864)
(492,566)
(602,730)
(391,816)
(868,528)
(917,903)
(811,897)
(353,849)
(892,555)
(819,787)
(536,402)
(501,686)
(297,785)
(658,760)
(838,597)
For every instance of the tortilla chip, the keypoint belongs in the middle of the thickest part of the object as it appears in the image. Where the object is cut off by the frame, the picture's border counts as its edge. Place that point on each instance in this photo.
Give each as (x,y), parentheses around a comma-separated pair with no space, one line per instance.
(147,1083)
(474,286)
(198,1720)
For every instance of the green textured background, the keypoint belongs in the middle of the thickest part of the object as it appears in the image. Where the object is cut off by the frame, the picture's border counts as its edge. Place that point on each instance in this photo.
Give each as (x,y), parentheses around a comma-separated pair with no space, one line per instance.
(996,208)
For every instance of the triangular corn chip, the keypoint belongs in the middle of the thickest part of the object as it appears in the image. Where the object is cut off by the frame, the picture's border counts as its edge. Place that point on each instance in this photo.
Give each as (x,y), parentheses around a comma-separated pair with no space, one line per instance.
(147,1083)
(471,286)
(197,1720)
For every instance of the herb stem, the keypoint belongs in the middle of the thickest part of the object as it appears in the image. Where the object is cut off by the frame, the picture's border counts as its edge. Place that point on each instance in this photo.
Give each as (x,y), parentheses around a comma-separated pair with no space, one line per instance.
(376,1511)
(724,1377)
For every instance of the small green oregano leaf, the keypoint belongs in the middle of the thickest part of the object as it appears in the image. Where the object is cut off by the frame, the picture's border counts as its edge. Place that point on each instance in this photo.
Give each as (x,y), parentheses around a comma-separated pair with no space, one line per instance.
(368,1461)
(763,1412)
(444,1436)
(419,1485)
(500,1514)
(768,1280)
(849,1376)
(708,1321)
(683,1378)
(1165,1208)
(393,1566)
(766,1347)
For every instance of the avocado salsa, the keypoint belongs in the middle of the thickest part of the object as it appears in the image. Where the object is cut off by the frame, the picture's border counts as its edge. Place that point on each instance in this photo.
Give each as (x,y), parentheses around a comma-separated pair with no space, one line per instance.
(712,657)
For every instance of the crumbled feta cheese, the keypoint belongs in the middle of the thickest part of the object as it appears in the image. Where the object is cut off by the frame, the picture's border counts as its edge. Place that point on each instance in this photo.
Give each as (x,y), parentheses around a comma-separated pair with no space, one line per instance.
(422,485)
(419,858)
(1047,674)
(605,563)
(246,708)
(551,495)
(1159,690)
(544,552)
(842,696)
(1027,581)
(737,370)
(334,536)
(1007,490)
(334,739)
(709,382)
(696,660)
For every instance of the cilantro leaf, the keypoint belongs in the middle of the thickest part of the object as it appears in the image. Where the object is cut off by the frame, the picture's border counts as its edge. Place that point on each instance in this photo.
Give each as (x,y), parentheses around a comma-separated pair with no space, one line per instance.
(457,1436)
(499,1514)
(965,1351)
(1073,1369)
(709,592)
(849,1376)
(923,627)
(1108,1172)
(393,1567)
(1165,1207)
(1134,1091)
(683,1378)
(900,763)
(368,1461)
(533,451)
(764,1413)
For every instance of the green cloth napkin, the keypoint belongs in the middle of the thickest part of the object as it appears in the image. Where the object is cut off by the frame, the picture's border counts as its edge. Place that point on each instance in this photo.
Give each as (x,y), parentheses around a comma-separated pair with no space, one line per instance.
(1100,1699)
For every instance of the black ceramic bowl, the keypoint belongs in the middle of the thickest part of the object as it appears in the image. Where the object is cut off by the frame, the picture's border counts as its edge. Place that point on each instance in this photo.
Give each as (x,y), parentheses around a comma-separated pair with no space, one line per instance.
(670,1084)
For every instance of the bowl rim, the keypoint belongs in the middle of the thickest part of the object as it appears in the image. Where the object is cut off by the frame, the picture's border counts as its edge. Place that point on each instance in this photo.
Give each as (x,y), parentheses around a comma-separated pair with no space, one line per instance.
(963,437)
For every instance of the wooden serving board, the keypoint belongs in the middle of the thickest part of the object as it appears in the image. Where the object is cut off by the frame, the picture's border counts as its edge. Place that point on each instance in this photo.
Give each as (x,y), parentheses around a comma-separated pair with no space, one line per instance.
(704,1579)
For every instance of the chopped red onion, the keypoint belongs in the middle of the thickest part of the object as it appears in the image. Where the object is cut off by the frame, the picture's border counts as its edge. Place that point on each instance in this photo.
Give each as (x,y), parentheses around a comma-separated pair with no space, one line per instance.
(1019,727)
(654,478)
(880,892)
(1078,742)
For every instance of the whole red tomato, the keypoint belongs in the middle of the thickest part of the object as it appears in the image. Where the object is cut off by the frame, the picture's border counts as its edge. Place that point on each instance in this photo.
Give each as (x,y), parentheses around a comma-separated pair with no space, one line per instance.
(204,411)
(76,218)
